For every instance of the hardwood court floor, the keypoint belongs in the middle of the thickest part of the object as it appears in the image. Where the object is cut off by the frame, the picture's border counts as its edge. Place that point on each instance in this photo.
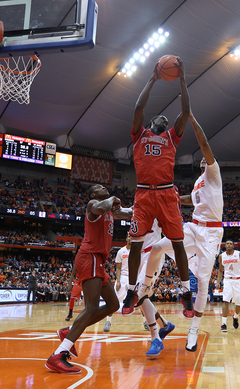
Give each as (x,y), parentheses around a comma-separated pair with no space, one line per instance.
(116,360)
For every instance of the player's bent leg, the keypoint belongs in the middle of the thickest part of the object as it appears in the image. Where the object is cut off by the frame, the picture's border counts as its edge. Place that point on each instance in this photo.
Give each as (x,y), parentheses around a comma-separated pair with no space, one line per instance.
(110,298)
(92,313)
(201,298)
(134,260)
(182,263)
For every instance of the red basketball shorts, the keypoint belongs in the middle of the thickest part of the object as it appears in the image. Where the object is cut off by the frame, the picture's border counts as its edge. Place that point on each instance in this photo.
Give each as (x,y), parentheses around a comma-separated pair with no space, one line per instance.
(90,266)
(76,290)
(161,204)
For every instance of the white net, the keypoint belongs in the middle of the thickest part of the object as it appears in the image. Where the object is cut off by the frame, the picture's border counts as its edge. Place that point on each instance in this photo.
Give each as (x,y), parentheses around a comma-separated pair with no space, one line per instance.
(16,77)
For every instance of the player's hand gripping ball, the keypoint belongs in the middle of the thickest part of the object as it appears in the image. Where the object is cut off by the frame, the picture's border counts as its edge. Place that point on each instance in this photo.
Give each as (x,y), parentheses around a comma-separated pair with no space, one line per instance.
(167,68)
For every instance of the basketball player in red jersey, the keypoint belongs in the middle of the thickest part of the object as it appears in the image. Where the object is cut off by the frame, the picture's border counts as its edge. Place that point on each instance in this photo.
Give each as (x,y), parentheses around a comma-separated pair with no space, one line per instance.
(89,261)
(76,291)
(154,152)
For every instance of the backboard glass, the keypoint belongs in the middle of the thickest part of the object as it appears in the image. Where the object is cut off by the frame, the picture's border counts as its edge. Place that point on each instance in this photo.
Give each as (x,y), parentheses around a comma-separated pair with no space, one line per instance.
(34,27)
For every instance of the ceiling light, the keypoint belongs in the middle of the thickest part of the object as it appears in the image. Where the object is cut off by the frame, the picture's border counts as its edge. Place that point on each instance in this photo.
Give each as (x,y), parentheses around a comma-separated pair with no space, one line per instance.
(140,56)
(235,52)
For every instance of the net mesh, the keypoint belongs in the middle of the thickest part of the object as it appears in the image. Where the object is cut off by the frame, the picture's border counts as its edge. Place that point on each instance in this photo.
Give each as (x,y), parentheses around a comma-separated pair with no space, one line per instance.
(16,77)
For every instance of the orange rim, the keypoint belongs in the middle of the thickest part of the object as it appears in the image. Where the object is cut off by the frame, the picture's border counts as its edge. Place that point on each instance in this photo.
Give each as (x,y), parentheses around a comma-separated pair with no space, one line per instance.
(24,73)
(1,31)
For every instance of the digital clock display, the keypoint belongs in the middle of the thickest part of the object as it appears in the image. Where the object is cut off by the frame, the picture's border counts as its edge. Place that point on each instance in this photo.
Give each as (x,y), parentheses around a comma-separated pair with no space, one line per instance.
(23,149)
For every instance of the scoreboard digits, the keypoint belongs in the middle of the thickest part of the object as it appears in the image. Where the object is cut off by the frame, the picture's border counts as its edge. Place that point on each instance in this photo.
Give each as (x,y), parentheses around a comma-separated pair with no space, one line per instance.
(23,149)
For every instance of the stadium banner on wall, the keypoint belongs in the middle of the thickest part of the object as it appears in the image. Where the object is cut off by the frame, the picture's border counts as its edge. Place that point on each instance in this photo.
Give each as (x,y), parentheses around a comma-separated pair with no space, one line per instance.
(8,295)
(92,169)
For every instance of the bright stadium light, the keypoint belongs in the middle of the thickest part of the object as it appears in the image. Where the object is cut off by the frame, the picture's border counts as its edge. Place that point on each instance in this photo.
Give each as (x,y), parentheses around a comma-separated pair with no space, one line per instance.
(144,52)
(235,53)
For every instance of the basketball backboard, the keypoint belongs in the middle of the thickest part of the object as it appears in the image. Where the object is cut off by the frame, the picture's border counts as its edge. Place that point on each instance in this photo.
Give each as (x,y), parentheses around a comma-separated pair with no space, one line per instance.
(33,27)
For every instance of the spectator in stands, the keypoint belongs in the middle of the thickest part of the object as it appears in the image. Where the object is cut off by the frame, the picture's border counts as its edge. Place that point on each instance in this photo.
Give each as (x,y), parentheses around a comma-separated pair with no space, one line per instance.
(40,294)
(32,287)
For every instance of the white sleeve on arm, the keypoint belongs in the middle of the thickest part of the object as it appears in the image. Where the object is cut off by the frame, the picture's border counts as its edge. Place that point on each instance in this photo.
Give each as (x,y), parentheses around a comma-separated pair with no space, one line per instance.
(118,258)
(213,175)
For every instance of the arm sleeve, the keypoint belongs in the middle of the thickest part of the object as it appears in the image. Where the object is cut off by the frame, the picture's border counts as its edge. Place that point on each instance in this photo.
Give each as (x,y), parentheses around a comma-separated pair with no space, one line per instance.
(213,175)
(118,258)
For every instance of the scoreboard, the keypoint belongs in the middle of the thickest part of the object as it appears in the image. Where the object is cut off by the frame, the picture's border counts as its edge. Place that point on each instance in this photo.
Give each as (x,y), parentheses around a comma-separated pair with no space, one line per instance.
(31,150)
(23,149)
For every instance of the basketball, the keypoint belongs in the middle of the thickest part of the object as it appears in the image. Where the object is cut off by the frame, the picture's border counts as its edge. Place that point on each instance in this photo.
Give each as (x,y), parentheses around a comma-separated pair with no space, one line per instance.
(166,68)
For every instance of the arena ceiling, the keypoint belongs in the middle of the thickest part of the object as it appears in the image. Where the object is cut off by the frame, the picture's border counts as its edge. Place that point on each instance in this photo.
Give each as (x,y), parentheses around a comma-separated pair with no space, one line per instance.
(80,94)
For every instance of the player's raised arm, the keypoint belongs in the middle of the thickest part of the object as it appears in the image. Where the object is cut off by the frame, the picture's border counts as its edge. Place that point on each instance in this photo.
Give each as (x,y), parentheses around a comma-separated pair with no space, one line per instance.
(141,103)
(202,140)
(96,208)
(182,119)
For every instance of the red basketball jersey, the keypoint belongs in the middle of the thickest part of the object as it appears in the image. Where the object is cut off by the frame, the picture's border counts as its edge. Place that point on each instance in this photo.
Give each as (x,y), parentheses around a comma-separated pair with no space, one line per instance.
(98,235)
(154,156)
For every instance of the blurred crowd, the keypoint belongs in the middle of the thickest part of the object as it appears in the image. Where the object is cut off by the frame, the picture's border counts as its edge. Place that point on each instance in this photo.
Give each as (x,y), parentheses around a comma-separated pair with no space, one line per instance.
(53,274)
(71,197)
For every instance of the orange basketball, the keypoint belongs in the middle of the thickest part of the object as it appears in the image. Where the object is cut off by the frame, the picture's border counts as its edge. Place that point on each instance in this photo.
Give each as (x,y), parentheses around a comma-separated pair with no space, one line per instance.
(166,68)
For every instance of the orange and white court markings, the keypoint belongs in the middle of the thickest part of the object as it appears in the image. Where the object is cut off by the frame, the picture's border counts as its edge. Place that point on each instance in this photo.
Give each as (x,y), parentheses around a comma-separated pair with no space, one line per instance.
(107,361)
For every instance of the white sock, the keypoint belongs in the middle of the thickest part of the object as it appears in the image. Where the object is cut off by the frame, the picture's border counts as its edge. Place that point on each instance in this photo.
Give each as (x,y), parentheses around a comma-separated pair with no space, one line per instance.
(131,287)
(235,315)
(64,346)
(70,327)
(154,331)
(185,286)
(109,318)
(224,320)
(147,281)
(196,322)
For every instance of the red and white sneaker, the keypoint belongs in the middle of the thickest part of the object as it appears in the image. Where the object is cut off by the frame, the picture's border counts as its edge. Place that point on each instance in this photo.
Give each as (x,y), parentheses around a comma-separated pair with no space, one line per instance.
(129,302)
(60,364)
(186,300)
(62,333)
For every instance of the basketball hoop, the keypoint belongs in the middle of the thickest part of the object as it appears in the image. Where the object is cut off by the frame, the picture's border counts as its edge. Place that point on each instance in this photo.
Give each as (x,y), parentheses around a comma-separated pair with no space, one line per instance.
(16,77)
